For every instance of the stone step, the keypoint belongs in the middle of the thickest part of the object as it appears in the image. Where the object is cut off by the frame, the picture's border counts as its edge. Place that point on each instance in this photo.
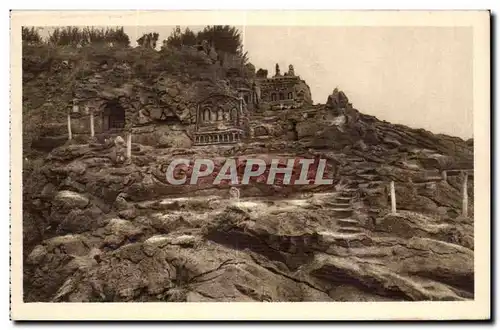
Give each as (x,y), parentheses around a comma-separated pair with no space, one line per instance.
(348,194)
(350,230)
(354,159)
(371,177)
(355,179)
(356,184)
(342,212)
(345,239)
(343,199)
(339,205)
(429,179)
(373,184)
(367,171)
(347,222)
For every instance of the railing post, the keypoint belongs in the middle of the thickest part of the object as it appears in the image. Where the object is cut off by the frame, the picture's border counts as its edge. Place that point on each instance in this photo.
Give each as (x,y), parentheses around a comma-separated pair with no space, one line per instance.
(465,197)
(393,198)
(70,135)
(92,132)
(129,145)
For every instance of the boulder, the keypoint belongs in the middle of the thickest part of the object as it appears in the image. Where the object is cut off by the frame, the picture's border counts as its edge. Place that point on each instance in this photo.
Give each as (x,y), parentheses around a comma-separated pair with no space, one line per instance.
(70,200)
(37,255)
(79,221)
(69,244)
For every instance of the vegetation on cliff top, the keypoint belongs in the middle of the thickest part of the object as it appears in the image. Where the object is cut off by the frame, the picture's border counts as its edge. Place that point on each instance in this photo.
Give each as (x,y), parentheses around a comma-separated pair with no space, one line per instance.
(54,67)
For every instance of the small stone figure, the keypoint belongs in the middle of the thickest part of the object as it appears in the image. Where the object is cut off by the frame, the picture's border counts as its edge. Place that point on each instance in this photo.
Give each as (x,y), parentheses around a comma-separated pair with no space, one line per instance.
(234,194)
(119,150)
(278,70)
(291,71)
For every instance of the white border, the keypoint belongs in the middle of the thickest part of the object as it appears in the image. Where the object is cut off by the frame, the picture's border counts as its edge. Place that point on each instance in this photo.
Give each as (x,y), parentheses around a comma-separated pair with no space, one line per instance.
(479,308)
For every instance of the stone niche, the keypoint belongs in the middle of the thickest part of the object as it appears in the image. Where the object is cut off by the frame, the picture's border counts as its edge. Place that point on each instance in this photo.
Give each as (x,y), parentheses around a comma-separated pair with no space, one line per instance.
(109,117)
(113,116)
(219,120)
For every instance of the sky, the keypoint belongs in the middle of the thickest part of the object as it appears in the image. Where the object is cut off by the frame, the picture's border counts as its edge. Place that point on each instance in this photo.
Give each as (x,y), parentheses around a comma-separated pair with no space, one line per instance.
(416,76)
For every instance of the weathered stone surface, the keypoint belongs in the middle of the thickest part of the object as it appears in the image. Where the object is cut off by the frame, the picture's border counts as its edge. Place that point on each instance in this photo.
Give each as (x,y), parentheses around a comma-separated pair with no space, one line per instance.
(101,230)
(70,244)
(70,200)
(79,221)
(37,255)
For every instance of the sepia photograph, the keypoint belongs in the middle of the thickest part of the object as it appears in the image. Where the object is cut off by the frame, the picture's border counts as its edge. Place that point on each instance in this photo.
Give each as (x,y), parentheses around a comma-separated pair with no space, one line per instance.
(260,157)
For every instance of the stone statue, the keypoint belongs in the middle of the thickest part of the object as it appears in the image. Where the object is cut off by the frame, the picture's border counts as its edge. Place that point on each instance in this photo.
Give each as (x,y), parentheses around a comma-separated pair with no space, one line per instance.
(278,70)
(119,150)
(234,194)
(291,71)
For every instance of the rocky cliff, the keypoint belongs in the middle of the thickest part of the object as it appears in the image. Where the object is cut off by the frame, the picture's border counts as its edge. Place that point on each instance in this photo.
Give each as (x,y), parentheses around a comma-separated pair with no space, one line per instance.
(95,230)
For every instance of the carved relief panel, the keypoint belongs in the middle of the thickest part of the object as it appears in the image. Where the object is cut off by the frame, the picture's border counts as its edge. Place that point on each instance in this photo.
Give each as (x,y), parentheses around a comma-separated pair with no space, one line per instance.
(218,109)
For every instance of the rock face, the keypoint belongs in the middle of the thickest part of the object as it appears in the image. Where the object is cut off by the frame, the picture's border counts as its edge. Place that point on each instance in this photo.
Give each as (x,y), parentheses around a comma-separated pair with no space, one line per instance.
(286,250)
(122,233)
(337,100)
(99,230)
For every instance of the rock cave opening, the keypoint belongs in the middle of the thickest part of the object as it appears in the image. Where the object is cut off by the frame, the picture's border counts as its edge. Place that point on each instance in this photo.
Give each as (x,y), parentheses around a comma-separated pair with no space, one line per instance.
(113,116)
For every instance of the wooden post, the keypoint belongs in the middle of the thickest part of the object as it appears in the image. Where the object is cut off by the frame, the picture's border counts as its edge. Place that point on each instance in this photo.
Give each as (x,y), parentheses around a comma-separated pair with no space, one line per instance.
(465,199)
(393,198)
(444,175)
(92,133)
(129,145)
(70,135)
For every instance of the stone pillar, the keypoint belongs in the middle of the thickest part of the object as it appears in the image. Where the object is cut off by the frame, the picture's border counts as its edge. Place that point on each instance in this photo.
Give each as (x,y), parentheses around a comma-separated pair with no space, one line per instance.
(234,138)
(393,198)
(465,197)
(129,145)
(70,135)
(444,175)
(92,132)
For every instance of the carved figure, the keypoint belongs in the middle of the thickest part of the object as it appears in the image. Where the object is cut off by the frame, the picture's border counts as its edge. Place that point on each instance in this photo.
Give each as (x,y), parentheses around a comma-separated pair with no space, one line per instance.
(234,194)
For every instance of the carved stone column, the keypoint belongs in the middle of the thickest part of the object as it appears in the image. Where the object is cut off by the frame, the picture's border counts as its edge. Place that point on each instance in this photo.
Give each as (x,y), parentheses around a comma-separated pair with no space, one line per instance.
(129,145)
(70,135)
(465,197)
(393,198)
(92,132)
